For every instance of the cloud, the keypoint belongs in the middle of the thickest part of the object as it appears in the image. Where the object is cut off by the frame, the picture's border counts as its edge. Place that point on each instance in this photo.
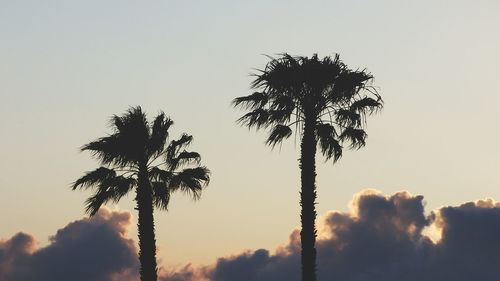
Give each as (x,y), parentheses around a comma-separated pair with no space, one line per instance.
(470,243)
(380,238)
(95,249)
(186,273)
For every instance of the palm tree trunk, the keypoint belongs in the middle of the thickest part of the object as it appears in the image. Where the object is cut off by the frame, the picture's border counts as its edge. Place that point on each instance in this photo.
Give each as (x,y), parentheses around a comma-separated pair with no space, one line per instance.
(147,242)
(308,198)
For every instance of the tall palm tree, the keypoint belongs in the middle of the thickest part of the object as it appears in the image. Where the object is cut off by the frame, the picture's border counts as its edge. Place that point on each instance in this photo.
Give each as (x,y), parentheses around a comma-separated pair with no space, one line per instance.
(137,156)
(327,104)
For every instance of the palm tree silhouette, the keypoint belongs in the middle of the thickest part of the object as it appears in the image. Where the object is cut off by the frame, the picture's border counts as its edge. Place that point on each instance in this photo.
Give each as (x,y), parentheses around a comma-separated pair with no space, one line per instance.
(137,156)
(327,104)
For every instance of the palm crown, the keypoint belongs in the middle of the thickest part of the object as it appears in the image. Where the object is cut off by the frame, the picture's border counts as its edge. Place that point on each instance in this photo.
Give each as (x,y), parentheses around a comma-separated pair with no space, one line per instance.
(136,147)
(335,97)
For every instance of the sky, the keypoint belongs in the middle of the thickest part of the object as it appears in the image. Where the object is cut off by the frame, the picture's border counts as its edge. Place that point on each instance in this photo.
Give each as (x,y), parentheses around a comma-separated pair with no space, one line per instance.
(67,66)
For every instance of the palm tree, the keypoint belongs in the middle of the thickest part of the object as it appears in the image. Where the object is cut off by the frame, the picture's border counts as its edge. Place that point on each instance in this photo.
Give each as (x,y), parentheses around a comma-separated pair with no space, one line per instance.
(137,156)
(327,104)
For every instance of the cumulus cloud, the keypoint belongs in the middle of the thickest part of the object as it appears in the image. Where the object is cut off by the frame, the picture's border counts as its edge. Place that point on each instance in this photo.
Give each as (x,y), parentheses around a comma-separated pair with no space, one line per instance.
(94,248)
(380,238)
(186,273)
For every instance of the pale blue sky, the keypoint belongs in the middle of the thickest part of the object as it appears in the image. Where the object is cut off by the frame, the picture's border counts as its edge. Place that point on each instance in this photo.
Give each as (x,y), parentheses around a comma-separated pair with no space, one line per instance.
(66,66)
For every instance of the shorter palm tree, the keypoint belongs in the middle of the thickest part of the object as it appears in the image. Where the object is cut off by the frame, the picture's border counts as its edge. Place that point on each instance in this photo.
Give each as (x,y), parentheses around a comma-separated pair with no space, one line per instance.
(137,156)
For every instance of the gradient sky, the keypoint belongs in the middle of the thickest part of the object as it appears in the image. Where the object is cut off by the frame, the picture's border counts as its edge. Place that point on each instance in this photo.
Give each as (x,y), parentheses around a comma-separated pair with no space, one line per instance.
(67,66)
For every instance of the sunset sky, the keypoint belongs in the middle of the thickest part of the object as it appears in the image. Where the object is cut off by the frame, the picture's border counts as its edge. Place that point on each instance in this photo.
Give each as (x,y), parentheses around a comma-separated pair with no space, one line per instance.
(67,66)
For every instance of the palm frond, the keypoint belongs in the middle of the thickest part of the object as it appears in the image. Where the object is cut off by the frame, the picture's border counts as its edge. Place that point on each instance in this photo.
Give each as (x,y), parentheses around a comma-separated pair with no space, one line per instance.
(282,102)
(112,189)
(282,73)
(347,84)
(356,137)
(159,134)
(319,74)
(191,181)
(253,101)
(279,116)
(107,150)
(94,203)
(278,134)
(96,177)
(328,143)
(348,118)
(176,145)
(157,174)
(126,145)
(119,185)
(161,194)
(117,123)
(135,126)
(257,118)
(367,105)
(184,158)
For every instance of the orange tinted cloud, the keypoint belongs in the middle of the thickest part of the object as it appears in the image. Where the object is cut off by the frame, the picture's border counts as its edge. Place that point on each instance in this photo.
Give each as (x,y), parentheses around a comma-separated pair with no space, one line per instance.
(95,249)
(380,238)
